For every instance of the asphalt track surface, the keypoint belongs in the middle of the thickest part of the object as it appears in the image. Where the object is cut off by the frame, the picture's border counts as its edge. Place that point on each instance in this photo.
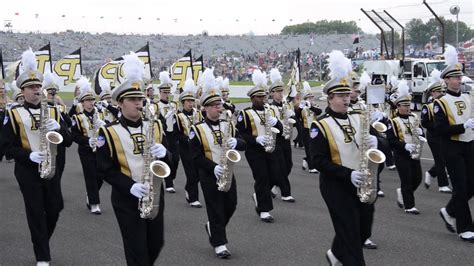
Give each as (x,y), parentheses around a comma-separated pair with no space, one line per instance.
(301,234)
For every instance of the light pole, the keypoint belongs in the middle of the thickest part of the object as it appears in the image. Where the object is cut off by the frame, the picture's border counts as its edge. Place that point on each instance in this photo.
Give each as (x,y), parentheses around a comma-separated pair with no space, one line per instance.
(454,10)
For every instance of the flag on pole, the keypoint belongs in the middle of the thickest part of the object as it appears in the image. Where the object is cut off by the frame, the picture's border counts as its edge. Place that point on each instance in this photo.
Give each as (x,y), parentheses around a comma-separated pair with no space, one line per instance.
(295,84)
(2,71)
(198,66)
(43,59)
(181,70)
(356,39)
(112,71)
(69,68)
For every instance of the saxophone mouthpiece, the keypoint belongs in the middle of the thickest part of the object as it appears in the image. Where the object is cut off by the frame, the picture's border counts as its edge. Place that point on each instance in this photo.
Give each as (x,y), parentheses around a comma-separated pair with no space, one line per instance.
(140,109)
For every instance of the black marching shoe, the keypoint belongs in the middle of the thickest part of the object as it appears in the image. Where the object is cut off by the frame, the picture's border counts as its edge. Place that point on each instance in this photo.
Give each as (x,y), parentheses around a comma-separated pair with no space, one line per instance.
(449,221)
(368,244)
(467,236)
(223,255)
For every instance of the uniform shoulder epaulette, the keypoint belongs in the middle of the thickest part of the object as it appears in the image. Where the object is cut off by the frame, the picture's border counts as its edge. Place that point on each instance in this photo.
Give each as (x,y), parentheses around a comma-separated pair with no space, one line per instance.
(116,122)
(322,116)
(16,106)
(352,112)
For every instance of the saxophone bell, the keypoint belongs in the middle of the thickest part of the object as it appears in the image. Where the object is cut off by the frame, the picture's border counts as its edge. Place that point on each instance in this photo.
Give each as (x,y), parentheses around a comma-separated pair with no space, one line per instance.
(54,137)
(379,126)
(160,169)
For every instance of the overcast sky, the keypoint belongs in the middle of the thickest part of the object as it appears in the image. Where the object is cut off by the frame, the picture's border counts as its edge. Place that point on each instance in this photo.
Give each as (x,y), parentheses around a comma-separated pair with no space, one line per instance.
(215,16)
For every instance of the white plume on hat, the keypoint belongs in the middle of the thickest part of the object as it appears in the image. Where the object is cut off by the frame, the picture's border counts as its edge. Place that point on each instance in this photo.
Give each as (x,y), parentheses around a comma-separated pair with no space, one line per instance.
(165,77)
(189,86)
(450,55)
(394,81)
(435,76)
(219,81)
(259,78)
(83,84)
(104,84)
(364,80)
(306,86)
(275,76)
(403,89)
(339,65)
(50,78)
(28,60)
(208,80)
(225,83)
(133,67)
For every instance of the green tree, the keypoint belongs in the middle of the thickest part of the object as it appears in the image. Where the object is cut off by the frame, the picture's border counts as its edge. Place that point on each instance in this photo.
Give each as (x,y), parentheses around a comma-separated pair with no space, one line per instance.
(419,33)
(322,27)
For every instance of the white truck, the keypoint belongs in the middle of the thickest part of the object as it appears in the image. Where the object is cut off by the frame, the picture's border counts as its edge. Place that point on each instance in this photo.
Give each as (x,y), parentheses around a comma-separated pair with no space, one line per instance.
(415,71)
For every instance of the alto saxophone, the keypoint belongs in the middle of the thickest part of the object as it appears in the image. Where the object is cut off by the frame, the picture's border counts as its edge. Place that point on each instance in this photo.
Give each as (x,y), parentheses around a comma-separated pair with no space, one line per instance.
(149,205)
(48,141)
(228,158)
(270,131)
(417,139)
(370,158)
(287,121)
(94,132)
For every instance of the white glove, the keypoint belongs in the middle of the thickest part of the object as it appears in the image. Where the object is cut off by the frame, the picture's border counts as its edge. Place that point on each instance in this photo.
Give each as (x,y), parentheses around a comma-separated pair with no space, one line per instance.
(158,150)
(37,156)
(356,178)
(372,141)
(139,190)
(410,147)
(232,142)
(75,101)
(302,104)
(273,121)
(99,107)
(168,115)
(261,140)
(104,103)
(290,113)
(419,131)
(218,171)
(92,142)
(52,125)
(376,116)
(99,123)
(469,123)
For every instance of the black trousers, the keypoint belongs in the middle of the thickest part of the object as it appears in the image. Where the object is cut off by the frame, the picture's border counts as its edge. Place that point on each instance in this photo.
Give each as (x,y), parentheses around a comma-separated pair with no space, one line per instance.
(174,149)
(93,180)
(409,171)
(286,147)
(192,176)
(438,168)
(220,207)
(459,158)
(279,171)
(305,136)
(43,203)
(352,222)
(142,238)
(384,146)
(261,163)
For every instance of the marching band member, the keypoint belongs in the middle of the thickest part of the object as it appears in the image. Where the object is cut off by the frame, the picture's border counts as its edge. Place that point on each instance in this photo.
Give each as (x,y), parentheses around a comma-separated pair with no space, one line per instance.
(21,135)
(255,124)
(452,120)
(206,143)
(167,110)
(283,144)
(108,112)
(402,134)
(309,112)
(335,139)
(184,120)
(225,92)
(436,90)
(85,128)
(4,101)
(120,147)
